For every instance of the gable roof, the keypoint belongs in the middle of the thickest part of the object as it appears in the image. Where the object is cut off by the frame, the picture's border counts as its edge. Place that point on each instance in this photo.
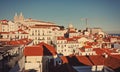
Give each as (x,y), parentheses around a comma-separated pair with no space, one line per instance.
(20,42)
(41,49)
(97,59)
(112,62)
(76,60)
(33,51)
(84,60)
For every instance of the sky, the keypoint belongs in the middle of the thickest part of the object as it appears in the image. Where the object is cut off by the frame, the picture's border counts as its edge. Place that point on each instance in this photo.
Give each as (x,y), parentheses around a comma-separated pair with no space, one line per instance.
(99,13)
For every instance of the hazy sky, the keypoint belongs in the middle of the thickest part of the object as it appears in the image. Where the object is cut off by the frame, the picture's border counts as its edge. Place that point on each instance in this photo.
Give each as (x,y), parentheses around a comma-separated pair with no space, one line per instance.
(100,13)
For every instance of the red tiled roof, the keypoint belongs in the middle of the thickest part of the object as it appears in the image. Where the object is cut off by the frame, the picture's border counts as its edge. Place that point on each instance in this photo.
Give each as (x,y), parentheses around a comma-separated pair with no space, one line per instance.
(82,50)
(20,30)
(87,46)
(116,56)
(41,49)
(101,51)
(33,51)
(4,21)
(91,43)
(25,32)
(77,60)
(64,59)
(109,51)
(20,42)
(112,62)
(49,47)
(61,38)
(84,60)
(4,32)
(12,32)
(106,40)
(97,59)
(98,51)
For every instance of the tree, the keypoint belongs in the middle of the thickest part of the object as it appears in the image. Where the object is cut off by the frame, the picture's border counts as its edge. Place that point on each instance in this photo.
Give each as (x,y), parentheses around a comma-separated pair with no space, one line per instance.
(62,27)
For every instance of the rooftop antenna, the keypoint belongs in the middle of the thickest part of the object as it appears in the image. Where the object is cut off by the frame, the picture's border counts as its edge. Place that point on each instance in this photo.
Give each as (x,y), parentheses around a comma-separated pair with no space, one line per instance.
(86,22)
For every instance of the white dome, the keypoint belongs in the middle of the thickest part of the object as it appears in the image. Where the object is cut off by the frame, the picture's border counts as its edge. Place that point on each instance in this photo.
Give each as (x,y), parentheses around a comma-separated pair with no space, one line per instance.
(70,26)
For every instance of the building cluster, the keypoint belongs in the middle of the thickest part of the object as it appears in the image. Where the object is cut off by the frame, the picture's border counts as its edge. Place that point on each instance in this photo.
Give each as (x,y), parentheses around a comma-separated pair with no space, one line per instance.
(47,47)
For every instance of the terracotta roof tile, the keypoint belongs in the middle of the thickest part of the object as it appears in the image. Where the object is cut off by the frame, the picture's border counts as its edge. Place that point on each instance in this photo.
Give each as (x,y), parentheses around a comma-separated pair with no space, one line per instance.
(41,49)
(112,62)
(64,59)
(97,59)
(33,51)
(4,32)
(20,42)
(98,51)
(61,38)
(84,60)
(19,30)
(87,46)
(77,60)
(49,47)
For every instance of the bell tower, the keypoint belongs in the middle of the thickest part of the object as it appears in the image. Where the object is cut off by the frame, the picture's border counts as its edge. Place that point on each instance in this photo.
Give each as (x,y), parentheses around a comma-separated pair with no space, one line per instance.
(18,18)
(15,17)
(21,17)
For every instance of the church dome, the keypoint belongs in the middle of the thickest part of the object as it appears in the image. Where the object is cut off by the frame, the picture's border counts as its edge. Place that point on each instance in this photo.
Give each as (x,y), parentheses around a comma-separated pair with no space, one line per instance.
(70,26)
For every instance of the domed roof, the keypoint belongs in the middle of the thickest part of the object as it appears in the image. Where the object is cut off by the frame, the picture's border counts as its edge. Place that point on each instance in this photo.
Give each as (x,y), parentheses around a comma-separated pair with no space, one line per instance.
(70,26)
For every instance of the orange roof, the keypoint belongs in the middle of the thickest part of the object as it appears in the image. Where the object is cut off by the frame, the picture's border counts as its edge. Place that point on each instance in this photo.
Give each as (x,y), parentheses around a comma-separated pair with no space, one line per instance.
(84,60)
(49,47)
(20,42)
(82,50)
(20,30)
(41,49)
(4,21)
(4,32)
(76,60)
(106,40)
(116,56)
(33,51)
(25,32)
(101,51)
(12,32)
(98,51)
(109,51)
(112,62)
(61,38)
(64,59)
(97,59)
(87,46)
